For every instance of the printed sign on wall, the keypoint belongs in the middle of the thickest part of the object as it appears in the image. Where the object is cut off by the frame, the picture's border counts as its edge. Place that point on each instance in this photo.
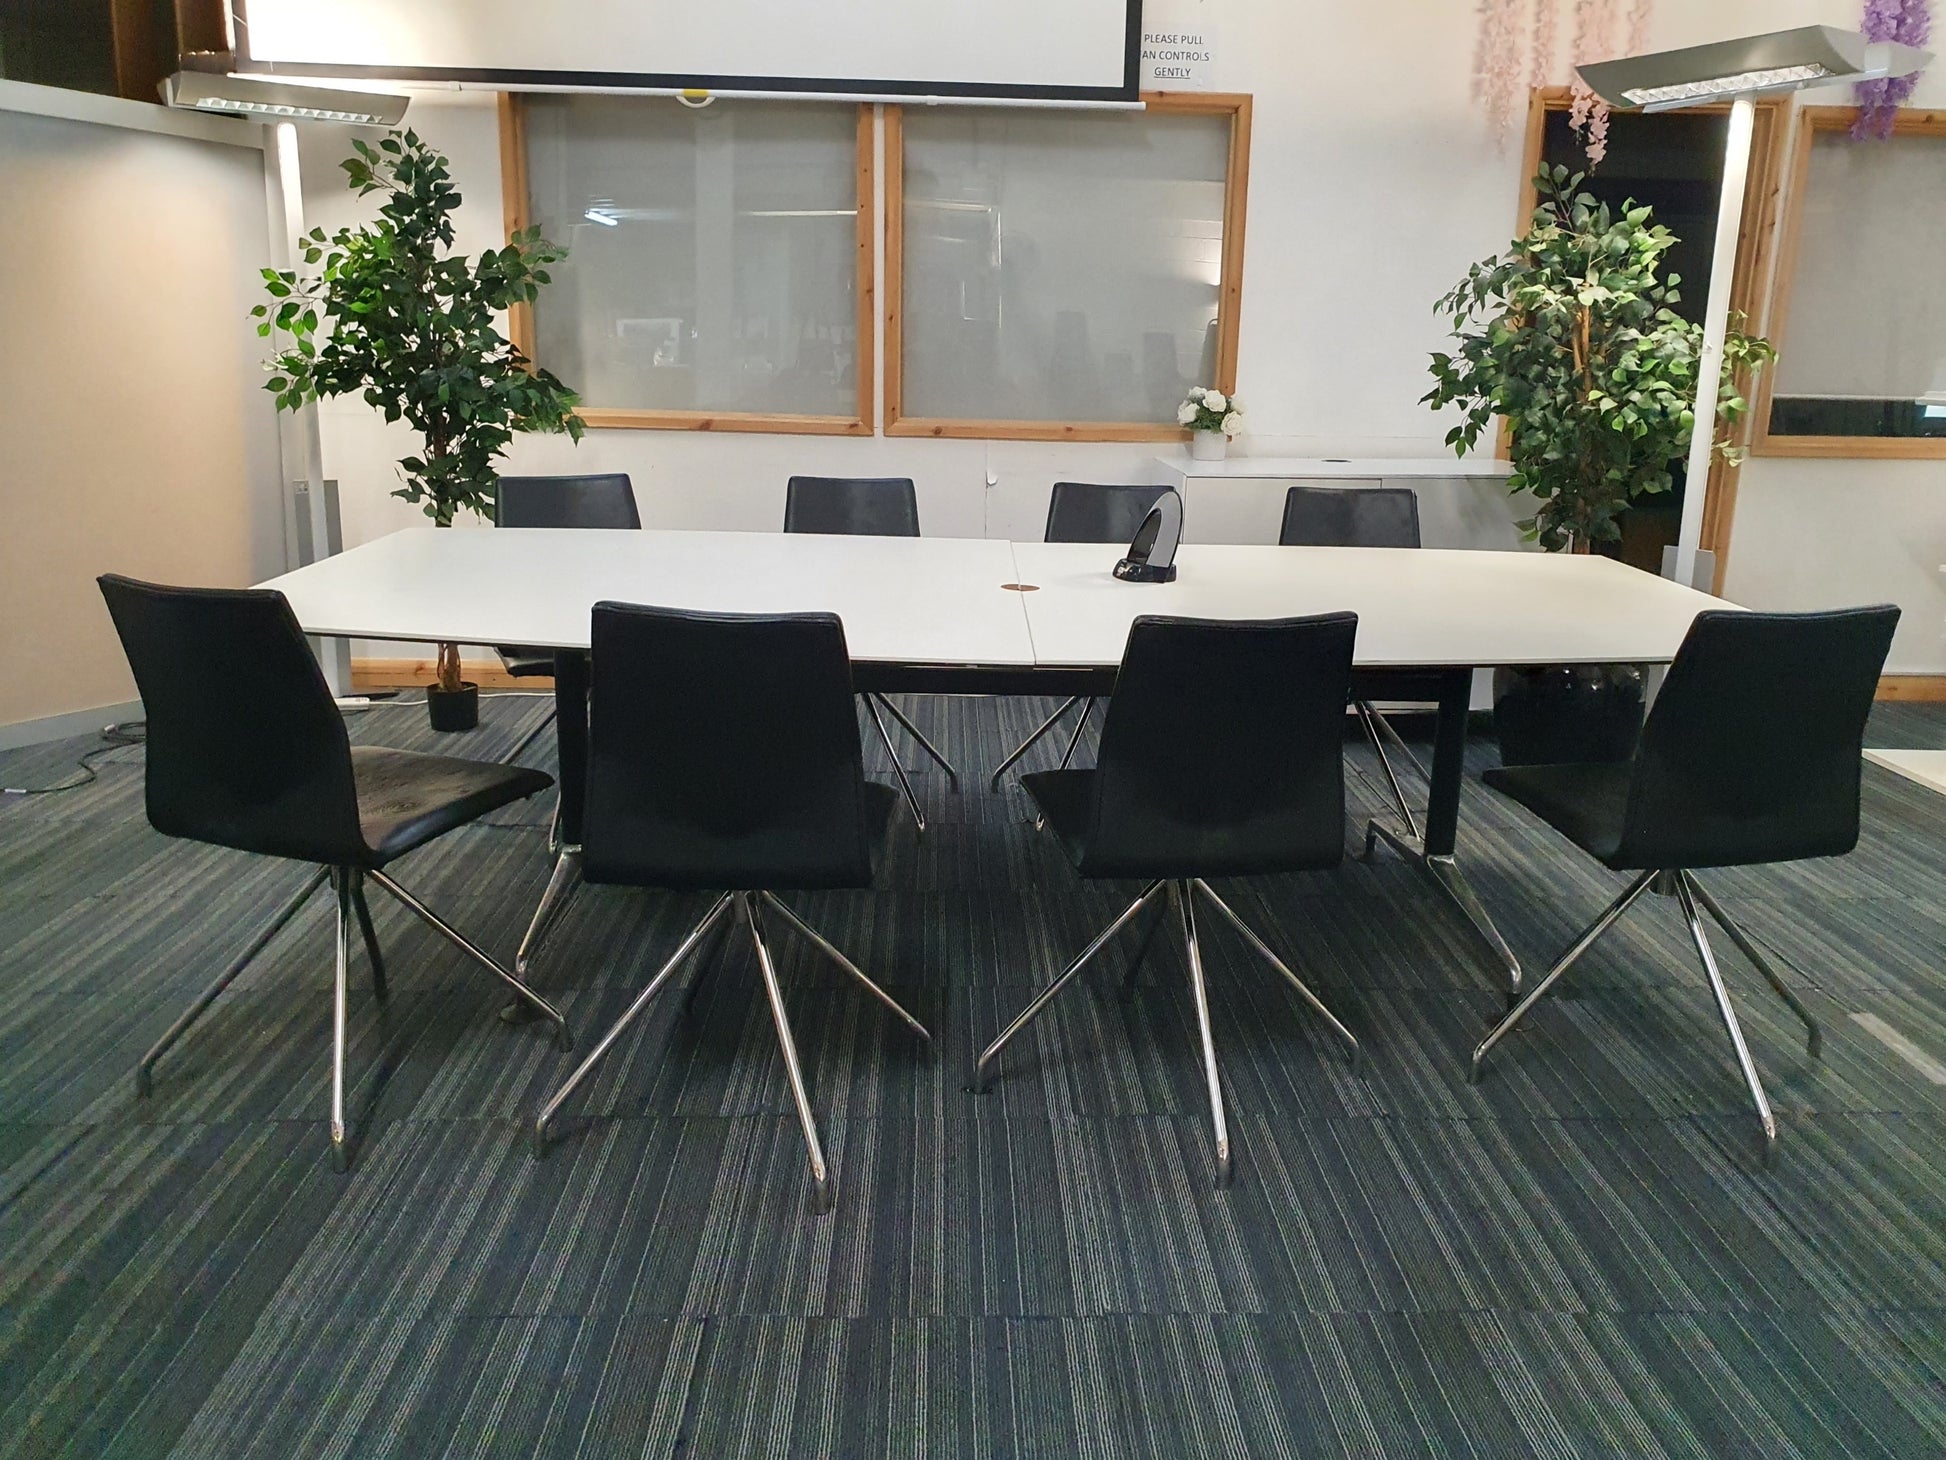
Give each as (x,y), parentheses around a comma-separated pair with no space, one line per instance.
(1178,44)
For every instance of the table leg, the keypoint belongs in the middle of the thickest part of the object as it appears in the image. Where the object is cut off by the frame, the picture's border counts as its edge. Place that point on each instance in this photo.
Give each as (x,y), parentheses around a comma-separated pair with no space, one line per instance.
(1434,852)
(571,739)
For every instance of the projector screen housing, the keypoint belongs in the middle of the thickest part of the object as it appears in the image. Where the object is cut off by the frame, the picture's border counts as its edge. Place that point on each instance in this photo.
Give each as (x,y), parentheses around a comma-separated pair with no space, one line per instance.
(1073,50)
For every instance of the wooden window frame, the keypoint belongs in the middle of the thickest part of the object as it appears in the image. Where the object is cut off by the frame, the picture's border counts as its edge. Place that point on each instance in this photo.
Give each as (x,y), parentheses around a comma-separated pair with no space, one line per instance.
(1769,144)
(1236,197)
(515,201)
(1811,120)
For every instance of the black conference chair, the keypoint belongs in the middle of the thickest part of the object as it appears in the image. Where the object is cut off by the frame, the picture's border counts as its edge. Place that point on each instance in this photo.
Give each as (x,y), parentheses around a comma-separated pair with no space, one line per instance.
(1221,756)
(1751,754)
(724,755)
(867,507)
(246,749)
(1361,517)
(1084,512)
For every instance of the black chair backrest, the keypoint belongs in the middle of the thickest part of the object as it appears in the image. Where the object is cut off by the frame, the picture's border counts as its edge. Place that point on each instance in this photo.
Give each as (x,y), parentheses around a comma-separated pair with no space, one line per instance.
(723,752)
(1350,517)
(1752,751)
(852,506)
(603,499)
(1223,750)
(1090,512)
(246,748)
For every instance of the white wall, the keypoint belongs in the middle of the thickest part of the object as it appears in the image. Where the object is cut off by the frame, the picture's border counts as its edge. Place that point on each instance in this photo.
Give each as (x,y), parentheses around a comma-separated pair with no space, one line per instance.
(1373,184)
(135,436)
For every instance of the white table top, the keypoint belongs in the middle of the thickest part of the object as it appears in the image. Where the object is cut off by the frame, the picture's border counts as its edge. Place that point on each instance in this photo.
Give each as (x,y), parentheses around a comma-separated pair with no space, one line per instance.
(1419,607)
(940,601)
(904,600)
(1333,468)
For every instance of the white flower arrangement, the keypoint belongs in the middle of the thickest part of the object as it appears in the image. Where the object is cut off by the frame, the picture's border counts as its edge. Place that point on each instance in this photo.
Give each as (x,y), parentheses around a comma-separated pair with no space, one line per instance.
(1208,409)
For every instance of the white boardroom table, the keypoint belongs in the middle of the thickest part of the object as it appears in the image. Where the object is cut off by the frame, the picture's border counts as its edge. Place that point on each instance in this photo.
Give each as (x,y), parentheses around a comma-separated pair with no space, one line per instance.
(970,615)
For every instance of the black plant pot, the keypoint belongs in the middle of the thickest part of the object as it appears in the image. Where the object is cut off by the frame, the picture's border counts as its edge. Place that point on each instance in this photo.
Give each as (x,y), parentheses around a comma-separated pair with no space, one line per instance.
(457,709)
(1563,714)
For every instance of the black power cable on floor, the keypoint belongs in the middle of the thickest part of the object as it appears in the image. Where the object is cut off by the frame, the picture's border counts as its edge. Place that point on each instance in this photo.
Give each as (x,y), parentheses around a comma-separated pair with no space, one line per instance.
(118,736)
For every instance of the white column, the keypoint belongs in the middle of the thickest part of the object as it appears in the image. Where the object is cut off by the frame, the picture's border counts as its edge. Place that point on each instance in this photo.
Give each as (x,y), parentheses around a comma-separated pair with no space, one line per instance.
(1716,320)
(298,431)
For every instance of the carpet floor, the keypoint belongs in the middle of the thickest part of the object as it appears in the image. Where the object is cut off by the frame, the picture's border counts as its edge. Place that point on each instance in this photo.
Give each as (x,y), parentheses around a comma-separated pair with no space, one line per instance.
(1580,1256)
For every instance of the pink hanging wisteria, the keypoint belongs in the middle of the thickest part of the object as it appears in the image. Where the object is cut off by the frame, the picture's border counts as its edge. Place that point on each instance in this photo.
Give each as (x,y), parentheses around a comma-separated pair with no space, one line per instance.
(1908,22)
(1595,25)
(1496,63)
(1510,30)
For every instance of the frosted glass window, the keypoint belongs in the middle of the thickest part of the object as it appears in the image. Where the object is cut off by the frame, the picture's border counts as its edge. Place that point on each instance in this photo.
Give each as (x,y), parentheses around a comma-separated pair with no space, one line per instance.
(1060,266)
(713,253)
(1864,346)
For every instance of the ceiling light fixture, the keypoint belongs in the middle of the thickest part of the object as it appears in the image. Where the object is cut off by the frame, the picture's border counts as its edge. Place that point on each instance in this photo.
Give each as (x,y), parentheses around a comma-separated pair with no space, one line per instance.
(1738,71)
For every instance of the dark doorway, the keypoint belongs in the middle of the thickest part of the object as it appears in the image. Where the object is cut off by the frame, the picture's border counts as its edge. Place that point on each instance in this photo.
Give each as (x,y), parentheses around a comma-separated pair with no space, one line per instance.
(1673,162)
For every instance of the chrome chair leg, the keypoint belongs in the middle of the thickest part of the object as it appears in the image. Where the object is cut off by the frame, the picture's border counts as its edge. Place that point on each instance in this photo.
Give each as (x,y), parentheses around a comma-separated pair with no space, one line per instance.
(1264,952)
(341,884)
(820,1175)
(982,1076)
(371,938)
(1030,742)
(144,1078)
(1371,720)
(561,885)
(924,744)
(1081,724)
(898,766)
(1815,1045)
(1729,1014)
(554,828)
(825,947)
(1566,961)
(545,1117)
(1199,993)
(563,1039)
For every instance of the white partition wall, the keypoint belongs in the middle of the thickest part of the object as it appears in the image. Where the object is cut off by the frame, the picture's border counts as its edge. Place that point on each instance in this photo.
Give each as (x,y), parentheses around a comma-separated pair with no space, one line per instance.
(136,436)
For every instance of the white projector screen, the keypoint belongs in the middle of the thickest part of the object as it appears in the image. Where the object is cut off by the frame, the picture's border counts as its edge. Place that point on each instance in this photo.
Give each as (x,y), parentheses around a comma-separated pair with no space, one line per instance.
(1066,50)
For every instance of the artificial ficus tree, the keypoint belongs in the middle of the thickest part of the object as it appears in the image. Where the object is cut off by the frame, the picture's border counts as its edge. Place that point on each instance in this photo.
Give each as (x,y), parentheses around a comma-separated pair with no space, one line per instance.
(1570,338)
(413,329)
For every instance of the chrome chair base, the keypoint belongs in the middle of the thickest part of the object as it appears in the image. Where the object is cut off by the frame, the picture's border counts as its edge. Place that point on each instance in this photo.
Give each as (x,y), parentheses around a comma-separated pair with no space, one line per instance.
(1179,893)
(1040,733)
(349,893)
(747,907)
(876,702)
(1688,892)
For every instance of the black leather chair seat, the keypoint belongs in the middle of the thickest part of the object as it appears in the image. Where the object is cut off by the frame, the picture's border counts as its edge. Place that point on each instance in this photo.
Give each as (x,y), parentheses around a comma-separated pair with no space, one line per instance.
(405,799)
(525,661)
(1587,804)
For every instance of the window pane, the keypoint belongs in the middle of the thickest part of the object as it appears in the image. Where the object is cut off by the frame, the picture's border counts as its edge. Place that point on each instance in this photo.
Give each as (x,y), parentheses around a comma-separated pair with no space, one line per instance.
(1060,266)
(1864,353)
(713,252)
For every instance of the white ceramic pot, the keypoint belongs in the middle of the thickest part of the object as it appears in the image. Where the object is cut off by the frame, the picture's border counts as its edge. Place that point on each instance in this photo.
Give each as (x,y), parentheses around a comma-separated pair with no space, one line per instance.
(1208,445)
